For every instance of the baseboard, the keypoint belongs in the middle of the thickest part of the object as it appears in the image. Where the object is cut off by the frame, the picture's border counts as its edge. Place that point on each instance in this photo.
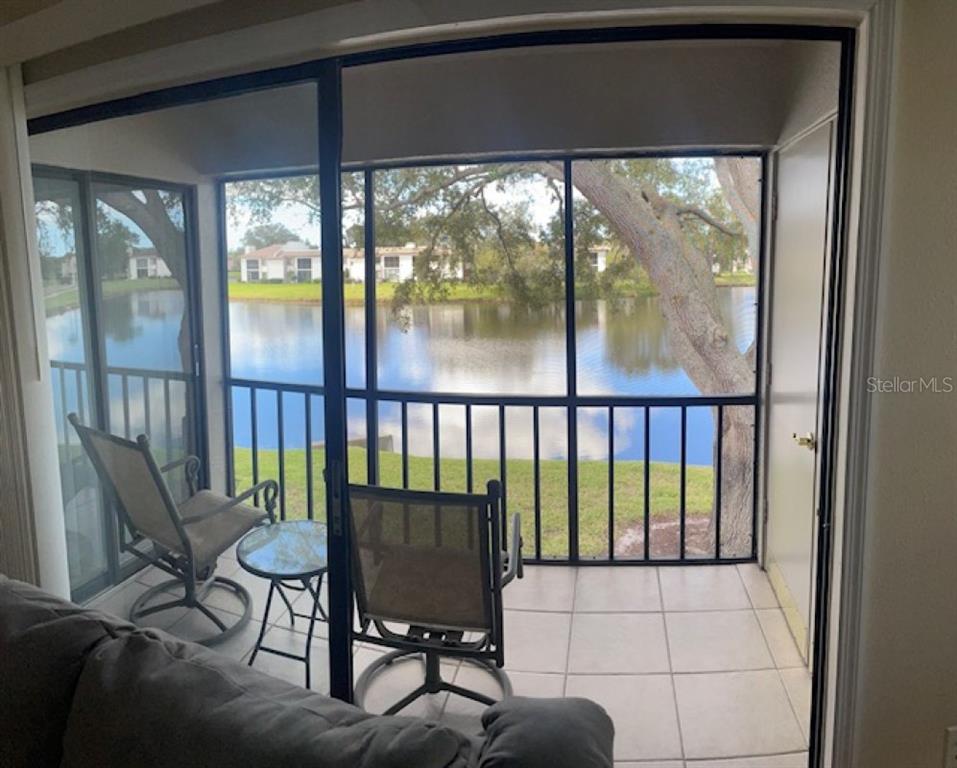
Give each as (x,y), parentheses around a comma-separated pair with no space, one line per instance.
(796,623)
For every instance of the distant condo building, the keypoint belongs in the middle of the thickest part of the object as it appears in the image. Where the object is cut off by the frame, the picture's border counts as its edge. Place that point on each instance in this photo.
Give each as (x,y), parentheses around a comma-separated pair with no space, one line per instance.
(297,262)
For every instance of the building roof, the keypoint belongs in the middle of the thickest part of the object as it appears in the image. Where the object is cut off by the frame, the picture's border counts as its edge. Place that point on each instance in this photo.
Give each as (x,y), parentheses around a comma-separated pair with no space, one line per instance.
(291,251)
(286,252)
(137,252)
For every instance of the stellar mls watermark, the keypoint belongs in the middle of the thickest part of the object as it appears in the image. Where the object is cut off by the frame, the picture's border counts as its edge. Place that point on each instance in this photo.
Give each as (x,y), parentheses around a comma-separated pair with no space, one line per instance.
(899,385)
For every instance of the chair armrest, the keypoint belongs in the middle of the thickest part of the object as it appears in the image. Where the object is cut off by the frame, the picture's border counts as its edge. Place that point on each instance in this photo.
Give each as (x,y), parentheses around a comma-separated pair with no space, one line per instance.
(193,465)
(269,489)
(547,733)
(514,551)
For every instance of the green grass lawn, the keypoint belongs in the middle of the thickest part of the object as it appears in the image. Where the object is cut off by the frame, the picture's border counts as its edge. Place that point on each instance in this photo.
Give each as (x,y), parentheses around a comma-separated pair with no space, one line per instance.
(69,298)
(354,292)
(592,490)
(732,279)
(308,293)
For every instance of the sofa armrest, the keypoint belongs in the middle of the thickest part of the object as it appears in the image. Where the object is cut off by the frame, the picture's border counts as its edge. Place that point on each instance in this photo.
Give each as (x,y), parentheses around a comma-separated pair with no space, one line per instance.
(547,733)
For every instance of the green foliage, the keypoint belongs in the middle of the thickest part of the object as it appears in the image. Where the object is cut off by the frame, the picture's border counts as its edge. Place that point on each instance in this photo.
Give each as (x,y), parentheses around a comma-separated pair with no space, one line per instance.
(270,233)
(487,221)
(114,241)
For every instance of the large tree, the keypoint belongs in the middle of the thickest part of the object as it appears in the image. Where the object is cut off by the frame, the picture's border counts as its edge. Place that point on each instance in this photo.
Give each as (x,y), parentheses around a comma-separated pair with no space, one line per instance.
(269,233)
(655,227)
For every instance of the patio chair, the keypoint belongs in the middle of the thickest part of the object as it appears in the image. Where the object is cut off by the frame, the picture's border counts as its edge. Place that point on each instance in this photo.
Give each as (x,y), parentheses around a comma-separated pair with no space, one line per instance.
(188,537)
(429,569)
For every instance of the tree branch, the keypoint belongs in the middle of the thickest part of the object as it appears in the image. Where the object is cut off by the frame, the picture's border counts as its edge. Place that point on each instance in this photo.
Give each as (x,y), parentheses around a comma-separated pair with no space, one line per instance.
(708,219)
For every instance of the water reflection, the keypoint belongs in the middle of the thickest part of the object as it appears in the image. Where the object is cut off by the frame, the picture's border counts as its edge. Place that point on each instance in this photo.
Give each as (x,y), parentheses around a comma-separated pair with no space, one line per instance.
(465,347)
(482,346)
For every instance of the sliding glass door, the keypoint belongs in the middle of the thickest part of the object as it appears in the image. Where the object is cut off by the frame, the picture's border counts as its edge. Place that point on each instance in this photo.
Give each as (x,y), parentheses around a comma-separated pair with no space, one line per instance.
(121,328)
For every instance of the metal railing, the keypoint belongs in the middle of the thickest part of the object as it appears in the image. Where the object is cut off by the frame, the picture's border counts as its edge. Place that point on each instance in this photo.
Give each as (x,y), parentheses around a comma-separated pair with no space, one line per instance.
(298,398)
(71,392)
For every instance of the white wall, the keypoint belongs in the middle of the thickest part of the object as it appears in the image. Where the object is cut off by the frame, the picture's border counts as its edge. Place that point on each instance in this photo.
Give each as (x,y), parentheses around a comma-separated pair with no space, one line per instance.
(616,96)
(210,276)
(623,96)
(20,271)
(136,146)
(272,269)
(908,651)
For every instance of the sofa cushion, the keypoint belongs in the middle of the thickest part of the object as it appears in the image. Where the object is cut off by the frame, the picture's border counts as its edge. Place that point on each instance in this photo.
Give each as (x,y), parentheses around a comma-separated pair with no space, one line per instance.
(147,699)
(547,733)
(43,644)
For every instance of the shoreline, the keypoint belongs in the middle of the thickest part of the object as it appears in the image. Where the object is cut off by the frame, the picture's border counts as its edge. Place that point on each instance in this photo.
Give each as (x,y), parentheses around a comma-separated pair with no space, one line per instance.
(359,301)
(465,297)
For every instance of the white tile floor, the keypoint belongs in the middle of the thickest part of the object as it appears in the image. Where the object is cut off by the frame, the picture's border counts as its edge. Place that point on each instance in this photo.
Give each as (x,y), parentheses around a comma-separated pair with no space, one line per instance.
(694,664)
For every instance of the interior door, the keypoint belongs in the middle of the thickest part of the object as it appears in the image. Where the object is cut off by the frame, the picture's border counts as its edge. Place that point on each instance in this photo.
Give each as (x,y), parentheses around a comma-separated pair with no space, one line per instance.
(803,188)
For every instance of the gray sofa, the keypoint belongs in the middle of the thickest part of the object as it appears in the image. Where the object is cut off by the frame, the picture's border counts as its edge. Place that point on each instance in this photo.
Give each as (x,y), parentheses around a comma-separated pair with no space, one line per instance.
(80,688)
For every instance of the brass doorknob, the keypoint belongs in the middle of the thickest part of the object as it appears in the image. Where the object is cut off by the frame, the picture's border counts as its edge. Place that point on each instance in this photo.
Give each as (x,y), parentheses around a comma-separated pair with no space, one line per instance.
(806,440)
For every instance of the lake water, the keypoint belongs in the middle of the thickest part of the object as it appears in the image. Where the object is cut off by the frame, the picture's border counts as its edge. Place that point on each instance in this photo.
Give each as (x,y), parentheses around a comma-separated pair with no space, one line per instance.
(477,347)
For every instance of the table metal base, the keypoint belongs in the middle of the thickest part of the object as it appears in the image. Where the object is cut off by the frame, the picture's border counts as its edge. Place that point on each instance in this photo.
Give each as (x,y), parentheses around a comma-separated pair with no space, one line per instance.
(317,614)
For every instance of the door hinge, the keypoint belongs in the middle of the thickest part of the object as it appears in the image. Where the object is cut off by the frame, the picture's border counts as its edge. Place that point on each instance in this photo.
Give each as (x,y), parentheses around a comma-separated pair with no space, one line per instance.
(774,206)
(196,358)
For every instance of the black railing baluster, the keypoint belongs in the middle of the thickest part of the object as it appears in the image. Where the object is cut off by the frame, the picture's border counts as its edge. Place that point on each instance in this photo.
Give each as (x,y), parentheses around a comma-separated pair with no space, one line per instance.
(717,484)
(468,448)
(437,401)
(371,355)
(310,509)
(571,355)
(281,442)
(436,471)
(683,490)
(80,404)
(189,393)
(406,514)
(167,420)
(125,382)
(647,482)
(405,444)
(64,409)
(502,471)
(146,407)
(536,458)
(611,482)
(254,435)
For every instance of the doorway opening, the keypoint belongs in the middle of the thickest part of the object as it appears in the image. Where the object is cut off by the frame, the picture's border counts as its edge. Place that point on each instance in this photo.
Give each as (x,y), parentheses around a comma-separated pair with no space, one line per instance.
(571,290)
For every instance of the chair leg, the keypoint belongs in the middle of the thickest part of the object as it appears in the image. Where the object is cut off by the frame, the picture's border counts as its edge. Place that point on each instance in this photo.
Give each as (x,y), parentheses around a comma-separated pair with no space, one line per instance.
(237,626)
(402,703)
(141,608)
(433,682)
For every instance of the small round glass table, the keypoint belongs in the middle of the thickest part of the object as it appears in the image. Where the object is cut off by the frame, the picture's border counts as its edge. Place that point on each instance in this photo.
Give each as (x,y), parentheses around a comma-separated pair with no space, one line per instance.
(293,555)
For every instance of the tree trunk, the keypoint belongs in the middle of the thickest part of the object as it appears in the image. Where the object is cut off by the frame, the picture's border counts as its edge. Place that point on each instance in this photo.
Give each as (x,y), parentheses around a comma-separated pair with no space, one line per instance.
(152,216)
(651,227)
(737,482)
(740,179)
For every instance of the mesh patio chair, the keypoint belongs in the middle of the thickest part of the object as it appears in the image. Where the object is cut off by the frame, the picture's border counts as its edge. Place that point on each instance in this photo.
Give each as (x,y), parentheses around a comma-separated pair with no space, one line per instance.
(429,569)
(188,537)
